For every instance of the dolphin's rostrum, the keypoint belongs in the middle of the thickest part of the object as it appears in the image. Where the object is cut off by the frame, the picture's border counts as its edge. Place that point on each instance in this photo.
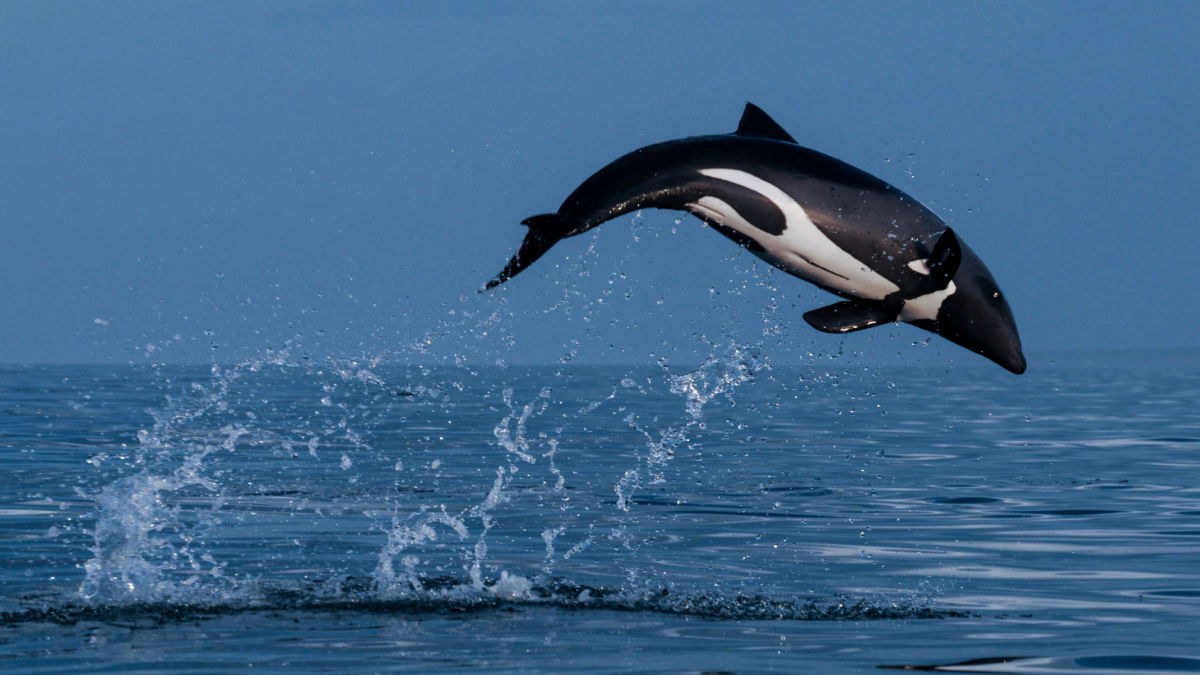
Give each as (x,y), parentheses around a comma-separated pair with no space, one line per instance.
(810,215)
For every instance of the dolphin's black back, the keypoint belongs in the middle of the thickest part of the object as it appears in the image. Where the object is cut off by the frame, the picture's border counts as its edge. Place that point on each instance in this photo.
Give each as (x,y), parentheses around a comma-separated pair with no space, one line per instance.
(846,203)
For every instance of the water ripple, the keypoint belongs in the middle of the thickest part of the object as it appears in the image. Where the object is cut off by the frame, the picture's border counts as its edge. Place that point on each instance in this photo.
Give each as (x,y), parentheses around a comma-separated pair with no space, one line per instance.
(457,596)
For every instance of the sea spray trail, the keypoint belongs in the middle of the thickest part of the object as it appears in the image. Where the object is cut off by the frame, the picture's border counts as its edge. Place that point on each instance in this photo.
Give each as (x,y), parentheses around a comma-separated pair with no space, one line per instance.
(157,540)
(405,588)
(158,533)
(390,451)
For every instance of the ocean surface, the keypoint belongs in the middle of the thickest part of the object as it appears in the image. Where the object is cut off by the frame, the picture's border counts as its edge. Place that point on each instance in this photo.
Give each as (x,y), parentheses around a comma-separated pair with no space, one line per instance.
(728,516)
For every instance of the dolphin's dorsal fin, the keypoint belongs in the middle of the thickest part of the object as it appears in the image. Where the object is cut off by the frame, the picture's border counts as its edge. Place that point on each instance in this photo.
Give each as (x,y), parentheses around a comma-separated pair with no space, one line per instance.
(759,124)
(850,315)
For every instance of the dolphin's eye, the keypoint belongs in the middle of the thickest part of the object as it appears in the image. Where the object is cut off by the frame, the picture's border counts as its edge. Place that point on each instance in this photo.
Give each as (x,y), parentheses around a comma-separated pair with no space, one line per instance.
(996,295)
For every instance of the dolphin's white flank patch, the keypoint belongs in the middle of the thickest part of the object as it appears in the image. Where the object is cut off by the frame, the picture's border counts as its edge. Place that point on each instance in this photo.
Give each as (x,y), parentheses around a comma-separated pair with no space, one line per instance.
(926,306)
(802,249)
(920,266)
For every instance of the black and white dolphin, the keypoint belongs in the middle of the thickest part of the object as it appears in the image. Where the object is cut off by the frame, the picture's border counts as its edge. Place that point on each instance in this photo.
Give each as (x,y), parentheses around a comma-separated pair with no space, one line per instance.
(810,215)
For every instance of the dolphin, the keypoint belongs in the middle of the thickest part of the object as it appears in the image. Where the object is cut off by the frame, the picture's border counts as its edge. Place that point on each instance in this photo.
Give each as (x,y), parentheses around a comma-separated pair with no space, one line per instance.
(810,215)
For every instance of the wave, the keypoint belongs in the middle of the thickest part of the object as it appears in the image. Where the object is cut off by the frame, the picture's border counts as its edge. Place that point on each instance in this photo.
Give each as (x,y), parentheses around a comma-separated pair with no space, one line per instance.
(448,595)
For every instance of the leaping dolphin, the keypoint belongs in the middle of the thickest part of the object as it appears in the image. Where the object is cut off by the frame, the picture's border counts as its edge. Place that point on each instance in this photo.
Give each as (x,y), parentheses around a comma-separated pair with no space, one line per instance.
(810,215)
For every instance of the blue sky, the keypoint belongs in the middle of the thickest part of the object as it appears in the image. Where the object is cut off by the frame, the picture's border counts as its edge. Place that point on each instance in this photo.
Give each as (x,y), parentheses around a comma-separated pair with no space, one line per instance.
(204,181)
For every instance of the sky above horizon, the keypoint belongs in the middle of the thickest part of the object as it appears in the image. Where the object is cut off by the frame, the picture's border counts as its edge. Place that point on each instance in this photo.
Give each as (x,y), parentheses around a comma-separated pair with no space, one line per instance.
(196,182)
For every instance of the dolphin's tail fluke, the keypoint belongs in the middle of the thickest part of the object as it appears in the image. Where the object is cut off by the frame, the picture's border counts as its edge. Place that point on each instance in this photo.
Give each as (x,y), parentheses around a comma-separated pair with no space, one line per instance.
(544,231)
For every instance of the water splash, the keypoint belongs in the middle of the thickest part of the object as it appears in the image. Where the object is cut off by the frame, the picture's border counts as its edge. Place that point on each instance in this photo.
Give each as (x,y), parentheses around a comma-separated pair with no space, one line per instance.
(716,377)
(510,435)
(513,439)
(411,536)
(145,548)
(404,534)
(150,542)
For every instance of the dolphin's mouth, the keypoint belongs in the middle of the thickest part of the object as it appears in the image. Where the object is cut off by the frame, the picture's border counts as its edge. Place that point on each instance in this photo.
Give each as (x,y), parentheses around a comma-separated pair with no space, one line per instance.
(1006,353)
(1016,365)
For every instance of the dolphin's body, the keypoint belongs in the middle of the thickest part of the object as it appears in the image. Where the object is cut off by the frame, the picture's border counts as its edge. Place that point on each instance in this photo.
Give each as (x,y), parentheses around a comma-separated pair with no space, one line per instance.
(810,215)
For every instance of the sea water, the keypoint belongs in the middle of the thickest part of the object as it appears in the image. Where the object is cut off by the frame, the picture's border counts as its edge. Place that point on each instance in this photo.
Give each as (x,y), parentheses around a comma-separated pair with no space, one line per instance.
(730,515)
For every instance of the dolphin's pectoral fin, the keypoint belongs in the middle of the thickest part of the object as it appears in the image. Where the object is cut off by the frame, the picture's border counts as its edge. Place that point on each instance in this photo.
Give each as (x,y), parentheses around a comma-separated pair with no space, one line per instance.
(944,261)
(544,231)
(759,124)
(850,315)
